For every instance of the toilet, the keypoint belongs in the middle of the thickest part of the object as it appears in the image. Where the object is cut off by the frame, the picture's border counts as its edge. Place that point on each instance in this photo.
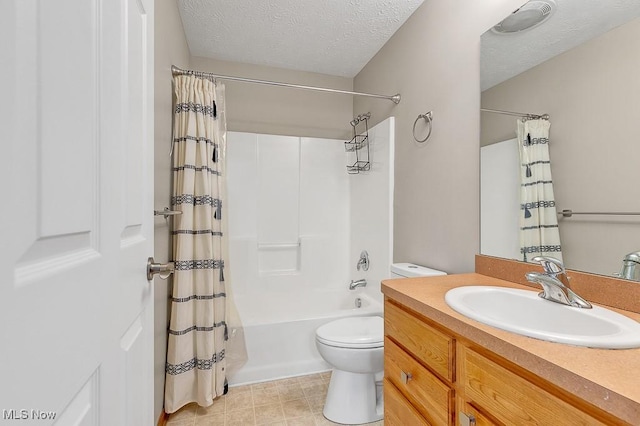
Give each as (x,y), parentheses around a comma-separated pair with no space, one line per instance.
(354,348)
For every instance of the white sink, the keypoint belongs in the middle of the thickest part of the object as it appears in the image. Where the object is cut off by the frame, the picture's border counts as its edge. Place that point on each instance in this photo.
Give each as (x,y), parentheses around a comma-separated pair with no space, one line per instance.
(523,312)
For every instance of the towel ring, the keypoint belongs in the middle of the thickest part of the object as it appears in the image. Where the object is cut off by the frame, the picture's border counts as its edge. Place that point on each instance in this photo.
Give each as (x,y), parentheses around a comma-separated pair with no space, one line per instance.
(428,117)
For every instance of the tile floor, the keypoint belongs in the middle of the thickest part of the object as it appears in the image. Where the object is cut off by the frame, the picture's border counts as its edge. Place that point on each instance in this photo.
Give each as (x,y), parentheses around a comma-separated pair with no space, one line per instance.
(297,401)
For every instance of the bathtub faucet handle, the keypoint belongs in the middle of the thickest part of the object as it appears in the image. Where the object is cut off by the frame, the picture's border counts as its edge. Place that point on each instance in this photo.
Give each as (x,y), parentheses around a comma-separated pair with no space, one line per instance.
(358,283)
(363,262)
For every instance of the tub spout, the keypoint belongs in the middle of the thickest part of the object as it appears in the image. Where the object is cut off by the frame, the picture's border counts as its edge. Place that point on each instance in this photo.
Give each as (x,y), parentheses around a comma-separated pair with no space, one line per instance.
(358,283)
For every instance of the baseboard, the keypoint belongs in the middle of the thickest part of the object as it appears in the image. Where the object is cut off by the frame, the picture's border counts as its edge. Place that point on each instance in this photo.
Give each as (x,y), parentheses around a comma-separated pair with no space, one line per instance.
(162,420)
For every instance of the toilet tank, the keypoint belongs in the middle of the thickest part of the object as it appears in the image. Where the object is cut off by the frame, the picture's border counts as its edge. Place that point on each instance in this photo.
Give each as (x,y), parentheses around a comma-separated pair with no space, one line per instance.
(408,270)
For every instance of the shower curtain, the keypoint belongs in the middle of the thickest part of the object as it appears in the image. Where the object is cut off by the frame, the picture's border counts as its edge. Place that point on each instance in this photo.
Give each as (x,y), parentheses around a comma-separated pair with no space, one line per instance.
(200,332)
(539,234)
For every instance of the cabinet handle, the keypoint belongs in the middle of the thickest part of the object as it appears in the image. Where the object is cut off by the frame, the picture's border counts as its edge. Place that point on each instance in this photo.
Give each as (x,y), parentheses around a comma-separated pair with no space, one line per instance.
(467,419)
(405,377)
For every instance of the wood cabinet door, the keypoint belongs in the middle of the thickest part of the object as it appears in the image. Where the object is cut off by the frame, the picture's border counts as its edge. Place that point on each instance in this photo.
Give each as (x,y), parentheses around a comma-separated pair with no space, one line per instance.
(431,397)
(511,399)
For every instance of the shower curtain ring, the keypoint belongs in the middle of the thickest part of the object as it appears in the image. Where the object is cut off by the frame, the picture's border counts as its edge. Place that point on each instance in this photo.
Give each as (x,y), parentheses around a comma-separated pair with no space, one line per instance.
(428,117)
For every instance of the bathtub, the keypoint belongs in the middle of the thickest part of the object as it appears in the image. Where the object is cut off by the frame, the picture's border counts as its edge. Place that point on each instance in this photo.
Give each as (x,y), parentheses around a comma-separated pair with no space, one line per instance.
(280,332)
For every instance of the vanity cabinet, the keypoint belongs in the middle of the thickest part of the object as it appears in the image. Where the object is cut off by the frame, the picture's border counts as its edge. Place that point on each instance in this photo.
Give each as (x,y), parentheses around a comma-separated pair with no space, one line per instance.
(435,377)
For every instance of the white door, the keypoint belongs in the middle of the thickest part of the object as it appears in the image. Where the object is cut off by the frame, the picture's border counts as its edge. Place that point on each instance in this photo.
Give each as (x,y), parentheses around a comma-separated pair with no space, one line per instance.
(76,318)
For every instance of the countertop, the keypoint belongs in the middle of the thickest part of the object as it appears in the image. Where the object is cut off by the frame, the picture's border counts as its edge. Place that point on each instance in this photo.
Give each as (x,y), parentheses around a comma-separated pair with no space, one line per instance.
(608,379)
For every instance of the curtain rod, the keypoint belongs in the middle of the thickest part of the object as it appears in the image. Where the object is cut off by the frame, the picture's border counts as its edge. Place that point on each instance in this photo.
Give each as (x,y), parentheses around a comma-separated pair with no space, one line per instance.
(177,71)
(569,213)
(517,114)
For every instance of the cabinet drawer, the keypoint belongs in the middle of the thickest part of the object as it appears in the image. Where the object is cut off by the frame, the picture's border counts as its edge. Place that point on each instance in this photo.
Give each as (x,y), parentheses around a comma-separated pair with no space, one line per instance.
(511,399)
(397,410)
(429,345)
(431,397)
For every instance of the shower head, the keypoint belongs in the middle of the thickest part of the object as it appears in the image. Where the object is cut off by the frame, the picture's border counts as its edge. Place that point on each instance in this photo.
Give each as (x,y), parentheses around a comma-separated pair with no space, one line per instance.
(359,118)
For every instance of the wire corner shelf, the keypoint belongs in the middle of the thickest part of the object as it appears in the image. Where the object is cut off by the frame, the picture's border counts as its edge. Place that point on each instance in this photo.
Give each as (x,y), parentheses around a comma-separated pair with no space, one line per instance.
(356,143)
(358,146)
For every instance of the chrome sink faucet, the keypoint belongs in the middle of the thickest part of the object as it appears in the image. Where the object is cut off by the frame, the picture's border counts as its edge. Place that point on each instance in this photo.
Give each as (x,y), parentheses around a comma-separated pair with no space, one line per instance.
(631,267)
(358,283)
(555,283)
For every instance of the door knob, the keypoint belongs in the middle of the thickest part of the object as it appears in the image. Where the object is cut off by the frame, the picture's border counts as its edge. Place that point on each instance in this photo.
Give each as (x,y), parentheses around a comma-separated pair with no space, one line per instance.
(163,269)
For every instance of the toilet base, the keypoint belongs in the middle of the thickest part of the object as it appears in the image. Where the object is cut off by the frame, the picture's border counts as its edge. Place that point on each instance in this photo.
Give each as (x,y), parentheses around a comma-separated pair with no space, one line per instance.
(352,398)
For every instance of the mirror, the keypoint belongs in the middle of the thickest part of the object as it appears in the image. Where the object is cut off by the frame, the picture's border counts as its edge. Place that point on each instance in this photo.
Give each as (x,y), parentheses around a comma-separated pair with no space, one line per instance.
(581,67)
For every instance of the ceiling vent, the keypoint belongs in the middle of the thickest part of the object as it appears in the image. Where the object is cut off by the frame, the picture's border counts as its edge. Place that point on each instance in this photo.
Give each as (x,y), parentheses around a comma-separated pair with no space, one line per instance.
(528,16)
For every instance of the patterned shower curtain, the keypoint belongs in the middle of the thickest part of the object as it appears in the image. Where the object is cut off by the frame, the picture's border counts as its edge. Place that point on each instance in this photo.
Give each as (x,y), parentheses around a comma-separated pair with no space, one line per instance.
(539,234)
(198,333)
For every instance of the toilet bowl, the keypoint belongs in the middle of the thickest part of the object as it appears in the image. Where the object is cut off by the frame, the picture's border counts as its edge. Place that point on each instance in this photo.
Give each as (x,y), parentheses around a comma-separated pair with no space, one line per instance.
(354,347)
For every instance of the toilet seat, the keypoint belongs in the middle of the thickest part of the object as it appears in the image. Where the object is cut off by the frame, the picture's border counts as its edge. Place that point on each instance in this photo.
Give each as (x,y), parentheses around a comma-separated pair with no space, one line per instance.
(353,332)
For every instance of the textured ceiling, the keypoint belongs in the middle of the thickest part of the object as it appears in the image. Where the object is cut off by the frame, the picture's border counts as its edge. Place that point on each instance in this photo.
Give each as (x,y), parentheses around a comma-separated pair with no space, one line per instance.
(336,37)
(573,23)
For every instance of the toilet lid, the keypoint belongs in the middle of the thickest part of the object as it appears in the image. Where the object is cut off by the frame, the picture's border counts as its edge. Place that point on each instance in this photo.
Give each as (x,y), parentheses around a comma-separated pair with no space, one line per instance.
(353,332)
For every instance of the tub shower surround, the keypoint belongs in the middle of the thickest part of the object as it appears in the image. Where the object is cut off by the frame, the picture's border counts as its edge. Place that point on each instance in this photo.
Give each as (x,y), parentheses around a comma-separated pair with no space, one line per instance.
(297,224)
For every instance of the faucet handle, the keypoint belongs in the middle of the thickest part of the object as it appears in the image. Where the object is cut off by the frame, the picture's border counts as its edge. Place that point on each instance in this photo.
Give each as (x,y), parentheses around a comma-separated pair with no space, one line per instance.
(363,262)
(551,265)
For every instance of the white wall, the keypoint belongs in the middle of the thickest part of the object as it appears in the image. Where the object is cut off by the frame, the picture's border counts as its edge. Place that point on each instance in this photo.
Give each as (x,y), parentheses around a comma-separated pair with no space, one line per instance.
(298,220)
(288,213)
(372,210)
(500,199)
